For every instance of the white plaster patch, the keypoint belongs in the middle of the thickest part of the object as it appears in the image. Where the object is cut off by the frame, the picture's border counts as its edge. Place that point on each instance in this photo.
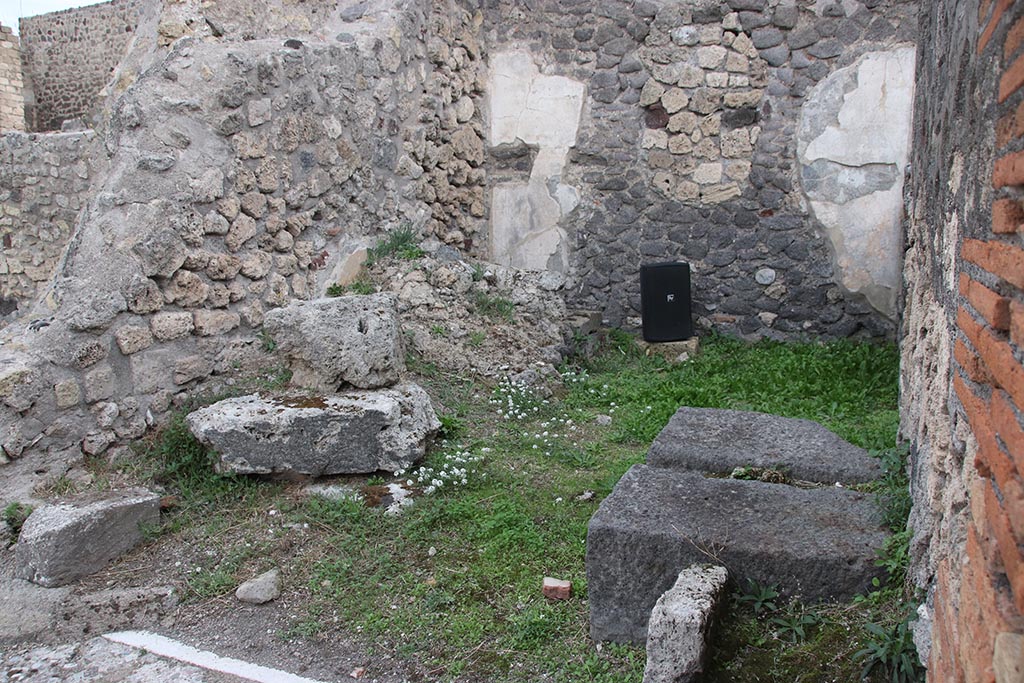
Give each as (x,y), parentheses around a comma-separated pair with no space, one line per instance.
(541,111)
(853,145)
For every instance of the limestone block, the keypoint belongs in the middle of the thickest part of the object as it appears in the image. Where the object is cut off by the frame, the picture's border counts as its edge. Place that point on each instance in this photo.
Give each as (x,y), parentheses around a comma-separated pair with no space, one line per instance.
(192,368)
(168,325)
(133,338)
(243,228)
(352,432)
(65,541)
(212,323)
(67,393)
(340,341)
(187,289)
(100,384)
(679,625)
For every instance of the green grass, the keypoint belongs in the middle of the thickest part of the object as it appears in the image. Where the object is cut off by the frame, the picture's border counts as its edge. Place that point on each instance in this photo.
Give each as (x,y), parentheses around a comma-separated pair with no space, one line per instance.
(400,244)
(454,582)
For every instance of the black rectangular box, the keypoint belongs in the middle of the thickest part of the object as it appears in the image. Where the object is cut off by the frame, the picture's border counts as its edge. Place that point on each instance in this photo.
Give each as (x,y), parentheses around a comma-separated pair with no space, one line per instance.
(665,301)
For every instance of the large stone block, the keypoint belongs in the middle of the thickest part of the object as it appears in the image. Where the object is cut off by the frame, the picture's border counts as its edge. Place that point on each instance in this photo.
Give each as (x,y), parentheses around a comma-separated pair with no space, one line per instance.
(340,342)
(718,441)
(65,541)
(355,432)
(817,544)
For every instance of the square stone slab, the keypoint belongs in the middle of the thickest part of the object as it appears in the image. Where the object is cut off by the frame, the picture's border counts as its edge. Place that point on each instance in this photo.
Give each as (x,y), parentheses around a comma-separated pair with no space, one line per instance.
(817,544)
(718,441)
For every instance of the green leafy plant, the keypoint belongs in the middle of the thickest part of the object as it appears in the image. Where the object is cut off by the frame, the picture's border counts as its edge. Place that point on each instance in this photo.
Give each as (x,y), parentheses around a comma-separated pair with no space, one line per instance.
(893,651)
(400,243)
(794,627)
(451,426)
(439,330)
(267,342)
(761,599)
(14,516)
(356,287)
(476,338)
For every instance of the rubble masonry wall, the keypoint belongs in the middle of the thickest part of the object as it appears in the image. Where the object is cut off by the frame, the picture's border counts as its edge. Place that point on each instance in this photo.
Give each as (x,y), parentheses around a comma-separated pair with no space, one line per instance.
(68,57)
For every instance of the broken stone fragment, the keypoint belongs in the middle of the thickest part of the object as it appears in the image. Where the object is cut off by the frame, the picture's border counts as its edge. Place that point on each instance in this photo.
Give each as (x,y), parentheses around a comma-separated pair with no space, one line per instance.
(341,341)
(263,588)
(556,589)
(679,624)
(65,541)
(350,433)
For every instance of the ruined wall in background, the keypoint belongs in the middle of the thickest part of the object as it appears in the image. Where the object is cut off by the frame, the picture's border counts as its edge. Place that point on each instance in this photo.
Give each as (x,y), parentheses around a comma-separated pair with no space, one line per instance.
(12,98)
(45,181)
(687,148)
(242,174)
(963,340)
(68,57)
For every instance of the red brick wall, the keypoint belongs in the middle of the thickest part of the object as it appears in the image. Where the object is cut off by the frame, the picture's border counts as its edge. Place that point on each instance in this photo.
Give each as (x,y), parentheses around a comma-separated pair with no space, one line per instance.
(979,594)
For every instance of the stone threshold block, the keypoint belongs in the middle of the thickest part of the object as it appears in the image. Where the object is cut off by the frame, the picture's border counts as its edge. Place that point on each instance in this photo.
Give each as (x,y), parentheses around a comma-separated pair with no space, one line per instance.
(817,544)
(64,541)
(718,441)
(357,432)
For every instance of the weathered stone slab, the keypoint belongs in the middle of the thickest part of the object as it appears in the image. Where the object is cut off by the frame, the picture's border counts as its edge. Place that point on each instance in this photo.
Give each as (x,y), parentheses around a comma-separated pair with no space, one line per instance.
(340,341)
(679,625)
(814,543)
(65,541)
(350,433)
(718,441)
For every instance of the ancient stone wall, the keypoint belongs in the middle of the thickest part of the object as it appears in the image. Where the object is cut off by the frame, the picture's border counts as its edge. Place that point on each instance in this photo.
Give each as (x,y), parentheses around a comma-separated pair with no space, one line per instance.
(12,99)
(708,132)
(243,174)
(69,56)
(963,339)
(45,181)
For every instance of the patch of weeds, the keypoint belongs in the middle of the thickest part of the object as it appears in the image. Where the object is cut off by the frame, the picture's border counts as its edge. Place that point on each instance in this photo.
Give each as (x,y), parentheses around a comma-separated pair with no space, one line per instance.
(892,651)
(439,330)
(494,307)
(761,599)
(476,338)
(60,486)
(267,343)
(448,469)
(478,272)
(400,243)
(767,474)
(451,427)
(795,626)
(14,516)
(274,379)
(362,287)
(417,365)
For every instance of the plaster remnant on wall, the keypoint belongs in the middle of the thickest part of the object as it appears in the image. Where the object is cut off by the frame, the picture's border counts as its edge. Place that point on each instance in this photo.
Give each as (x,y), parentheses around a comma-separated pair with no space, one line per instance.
(853,145)
(541,111)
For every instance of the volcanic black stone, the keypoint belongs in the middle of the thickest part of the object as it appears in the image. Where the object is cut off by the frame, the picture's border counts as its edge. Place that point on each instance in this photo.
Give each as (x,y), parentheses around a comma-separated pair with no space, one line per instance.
(813,543)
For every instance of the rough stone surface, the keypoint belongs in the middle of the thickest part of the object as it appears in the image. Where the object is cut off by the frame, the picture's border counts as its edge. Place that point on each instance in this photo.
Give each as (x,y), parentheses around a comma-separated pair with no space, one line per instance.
(718,441)
(261,589)
(813,543)
(354,432)
(679,625)
(65,541)
(340,341)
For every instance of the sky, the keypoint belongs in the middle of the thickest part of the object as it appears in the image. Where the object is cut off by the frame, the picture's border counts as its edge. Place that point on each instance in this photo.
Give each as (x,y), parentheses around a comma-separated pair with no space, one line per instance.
(10,10)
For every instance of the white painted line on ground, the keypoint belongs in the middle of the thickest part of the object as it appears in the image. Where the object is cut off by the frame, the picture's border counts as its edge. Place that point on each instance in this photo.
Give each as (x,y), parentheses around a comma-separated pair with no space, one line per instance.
(165,647)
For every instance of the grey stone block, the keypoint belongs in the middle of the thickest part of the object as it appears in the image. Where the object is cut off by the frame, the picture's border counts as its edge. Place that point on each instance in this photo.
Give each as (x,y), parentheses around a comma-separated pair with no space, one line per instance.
(343,341)
(817,544)
(65,541)
(350,433)
(679,626)
(718,441)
